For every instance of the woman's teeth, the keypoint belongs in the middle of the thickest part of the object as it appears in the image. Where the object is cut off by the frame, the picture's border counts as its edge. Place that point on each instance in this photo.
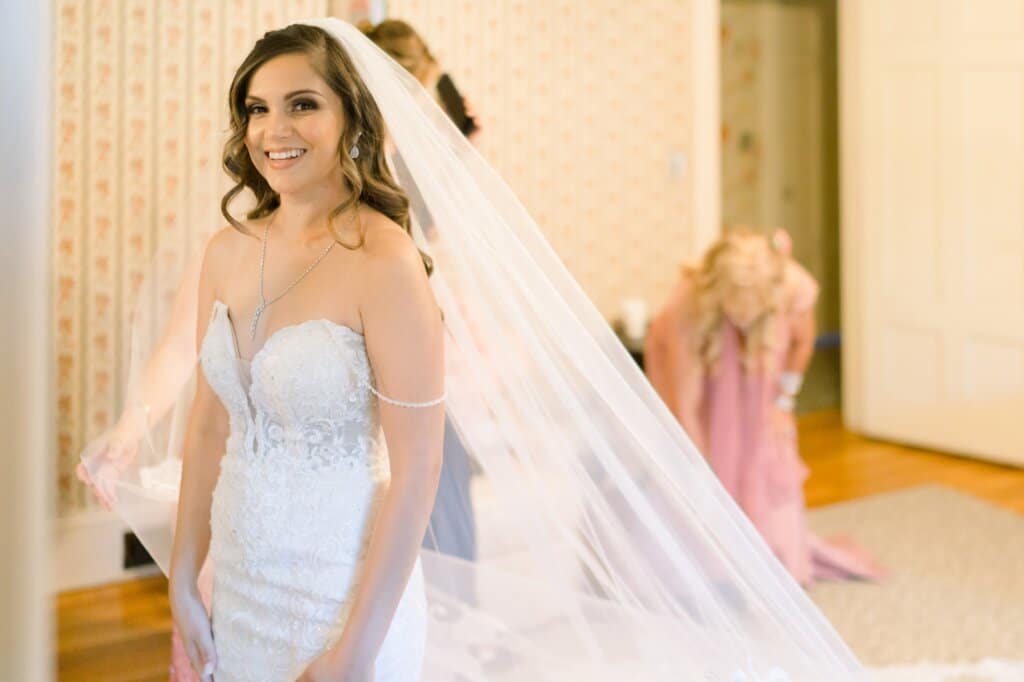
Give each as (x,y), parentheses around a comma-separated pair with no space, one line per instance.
(290,154)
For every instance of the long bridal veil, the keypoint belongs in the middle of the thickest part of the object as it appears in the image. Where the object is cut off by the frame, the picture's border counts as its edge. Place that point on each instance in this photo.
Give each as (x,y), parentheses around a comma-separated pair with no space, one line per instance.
(605,547)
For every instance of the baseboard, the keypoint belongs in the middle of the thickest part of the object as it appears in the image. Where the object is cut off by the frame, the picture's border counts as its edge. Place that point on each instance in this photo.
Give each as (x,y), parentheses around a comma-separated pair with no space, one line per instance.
(89,551)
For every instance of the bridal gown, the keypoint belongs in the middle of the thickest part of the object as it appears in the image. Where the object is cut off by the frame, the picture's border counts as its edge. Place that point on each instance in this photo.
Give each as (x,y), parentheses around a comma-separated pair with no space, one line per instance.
(304,467)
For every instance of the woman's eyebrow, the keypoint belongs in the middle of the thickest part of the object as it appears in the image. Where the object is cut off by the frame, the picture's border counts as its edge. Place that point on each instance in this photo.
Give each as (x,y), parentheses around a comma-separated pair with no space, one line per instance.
(294,93)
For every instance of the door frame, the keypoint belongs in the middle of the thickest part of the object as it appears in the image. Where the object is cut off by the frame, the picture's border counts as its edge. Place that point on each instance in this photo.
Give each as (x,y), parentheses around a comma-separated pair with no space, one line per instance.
(706,127)
(850,202)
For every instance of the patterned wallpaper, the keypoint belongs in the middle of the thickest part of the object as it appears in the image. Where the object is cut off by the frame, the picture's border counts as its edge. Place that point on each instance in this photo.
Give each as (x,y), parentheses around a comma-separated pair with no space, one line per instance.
(139,116)
(582,105)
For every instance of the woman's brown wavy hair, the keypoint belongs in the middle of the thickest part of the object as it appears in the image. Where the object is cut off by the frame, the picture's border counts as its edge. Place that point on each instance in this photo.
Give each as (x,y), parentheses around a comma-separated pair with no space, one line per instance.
(368,176)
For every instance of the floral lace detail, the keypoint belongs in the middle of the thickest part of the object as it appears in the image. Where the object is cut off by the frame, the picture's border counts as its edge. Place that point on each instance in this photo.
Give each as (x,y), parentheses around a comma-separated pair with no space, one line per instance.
(304,467)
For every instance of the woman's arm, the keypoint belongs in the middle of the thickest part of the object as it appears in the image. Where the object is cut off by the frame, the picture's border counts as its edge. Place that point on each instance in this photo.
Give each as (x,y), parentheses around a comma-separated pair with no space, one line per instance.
(801,346)
(802,292)
(205,435)
(405,344)
(672,365)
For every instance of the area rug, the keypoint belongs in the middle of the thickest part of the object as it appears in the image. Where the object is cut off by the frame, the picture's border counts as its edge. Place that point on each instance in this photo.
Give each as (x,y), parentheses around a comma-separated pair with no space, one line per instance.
(953,606)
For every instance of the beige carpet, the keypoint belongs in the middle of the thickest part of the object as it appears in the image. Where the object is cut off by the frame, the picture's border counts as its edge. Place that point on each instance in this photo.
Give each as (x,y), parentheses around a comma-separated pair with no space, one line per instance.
(956,590)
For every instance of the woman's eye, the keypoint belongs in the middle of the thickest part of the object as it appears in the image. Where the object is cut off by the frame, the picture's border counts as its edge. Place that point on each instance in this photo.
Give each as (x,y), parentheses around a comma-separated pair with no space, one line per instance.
(305,105)
(255,109)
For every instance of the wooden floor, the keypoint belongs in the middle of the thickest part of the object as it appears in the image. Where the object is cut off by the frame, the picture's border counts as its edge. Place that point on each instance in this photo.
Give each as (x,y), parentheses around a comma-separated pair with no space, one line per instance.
(845,466)
(121,633)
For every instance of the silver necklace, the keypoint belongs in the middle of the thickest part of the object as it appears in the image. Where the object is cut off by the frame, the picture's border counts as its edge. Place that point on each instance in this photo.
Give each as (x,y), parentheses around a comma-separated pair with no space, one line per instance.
(263,259)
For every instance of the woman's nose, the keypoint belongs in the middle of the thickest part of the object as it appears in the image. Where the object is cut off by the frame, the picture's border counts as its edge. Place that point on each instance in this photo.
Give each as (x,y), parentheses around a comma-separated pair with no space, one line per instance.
(279,124)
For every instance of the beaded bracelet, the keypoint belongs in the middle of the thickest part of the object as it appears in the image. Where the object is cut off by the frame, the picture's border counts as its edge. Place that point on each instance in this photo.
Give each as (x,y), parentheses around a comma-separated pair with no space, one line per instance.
(402,403)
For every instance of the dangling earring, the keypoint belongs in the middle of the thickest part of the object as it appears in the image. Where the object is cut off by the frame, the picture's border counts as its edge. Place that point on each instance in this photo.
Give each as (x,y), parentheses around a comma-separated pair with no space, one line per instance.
(353,153)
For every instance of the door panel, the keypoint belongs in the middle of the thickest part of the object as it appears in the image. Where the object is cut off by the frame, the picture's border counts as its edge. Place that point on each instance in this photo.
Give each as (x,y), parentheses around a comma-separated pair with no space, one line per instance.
(932,102)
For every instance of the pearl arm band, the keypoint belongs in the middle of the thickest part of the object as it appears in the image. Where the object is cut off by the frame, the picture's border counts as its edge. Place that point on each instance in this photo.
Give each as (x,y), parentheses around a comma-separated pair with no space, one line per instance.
(402,403)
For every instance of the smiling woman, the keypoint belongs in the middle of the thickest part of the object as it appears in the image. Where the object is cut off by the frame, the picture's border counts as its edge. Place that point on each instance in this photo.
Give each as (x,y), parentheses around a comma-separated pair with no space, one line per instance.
(320,123)
(301,398)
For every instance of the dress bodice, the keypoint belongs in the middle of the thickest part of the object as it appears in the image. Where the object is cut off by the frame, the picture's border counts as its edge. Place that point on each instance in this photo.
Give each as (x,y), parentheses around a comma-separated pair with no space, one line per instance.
(305,396)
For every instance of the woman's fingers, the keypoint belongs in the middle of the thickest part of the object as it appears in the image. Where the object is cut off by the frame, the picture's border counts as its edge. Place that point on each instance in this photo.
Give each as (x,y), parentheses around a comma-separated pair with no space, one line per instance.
(207,651)
(195,631)
(192,651)
(97,488)
(204,661)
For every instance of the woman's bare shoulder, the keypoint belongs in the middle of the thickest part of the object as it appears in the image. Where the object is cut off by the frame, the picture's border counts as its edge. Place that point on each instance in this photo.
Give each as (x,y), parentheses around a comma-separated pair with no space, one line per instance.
(222,252)
(387,246)
(227,242)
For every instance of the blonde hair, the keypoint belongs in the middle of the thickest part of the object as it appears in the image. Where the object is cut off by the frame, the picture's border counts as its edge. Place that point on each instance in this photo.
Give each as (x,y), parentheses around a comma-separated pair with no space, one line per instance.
(741,258)
(368,176)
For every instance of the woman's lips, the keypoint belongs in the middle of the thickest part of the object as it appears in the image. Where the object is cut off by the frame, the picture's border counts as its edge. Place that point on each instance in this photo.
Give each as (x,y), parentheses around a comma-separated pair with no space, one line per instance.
(280,164)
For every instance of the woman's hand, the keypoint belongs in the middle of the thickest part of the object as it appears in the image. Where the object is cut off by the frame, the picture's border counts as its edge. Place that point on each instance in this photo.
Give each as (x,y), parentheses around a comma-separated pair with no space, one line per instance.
(108,456)
(195,630)
(328,668)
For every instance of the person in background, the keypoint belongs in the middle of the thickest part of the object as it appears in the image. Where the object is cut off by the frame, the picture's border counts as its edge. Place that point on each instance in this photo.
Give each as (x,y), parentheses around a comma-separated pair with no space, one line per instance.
(452,528)
(404,44)
(727,354)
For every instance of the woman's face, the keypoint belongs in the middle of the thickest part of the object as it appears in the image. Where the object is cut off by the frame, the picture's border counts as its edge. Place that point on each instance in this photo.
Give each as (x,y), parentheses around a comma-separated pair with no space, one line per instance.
(295,125)
(743,305)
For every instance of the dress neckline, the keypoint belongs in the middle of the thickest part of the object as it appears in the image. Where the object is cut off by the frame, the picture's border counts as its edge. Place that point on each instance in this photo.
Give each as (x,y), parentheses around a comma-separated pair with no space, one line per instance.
(266,342)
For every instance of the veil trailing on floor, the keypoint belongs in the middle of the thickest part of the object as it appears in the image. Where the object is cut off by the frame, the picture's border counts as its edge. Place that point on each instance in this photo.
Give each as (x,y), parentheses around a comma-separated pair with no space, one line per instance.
(600,544)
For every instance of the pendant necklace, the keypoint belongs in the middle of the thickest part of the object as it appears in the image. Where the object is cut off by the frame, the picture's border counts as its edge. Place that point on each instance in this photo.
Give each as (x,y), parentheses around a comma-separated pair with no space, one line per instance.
(263,259)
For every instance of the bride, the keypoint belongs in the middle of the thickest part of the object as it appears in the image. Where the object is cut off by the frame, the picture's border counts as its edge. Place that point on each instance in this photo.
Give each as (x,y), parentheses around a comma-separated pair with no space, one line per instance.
(331,345)
(298,340)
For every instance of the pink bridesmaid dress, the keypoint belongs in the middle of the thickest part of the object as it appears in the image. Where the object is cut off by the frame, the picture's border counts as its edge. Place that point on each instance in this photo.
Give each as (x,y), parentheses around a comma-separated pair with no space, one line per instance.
(750,444)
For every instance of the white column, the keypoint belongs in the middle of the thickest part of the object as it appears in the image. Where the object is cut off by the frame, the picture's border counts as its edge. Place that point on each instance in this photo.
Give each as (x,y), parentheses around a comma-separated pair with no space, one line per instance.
(26,358)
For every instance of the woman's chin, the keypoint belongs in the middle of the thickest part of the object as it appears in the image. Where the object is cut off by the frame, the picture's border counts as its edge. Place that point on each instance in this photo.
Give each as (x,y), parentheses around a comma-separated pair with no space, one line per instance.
(286,185)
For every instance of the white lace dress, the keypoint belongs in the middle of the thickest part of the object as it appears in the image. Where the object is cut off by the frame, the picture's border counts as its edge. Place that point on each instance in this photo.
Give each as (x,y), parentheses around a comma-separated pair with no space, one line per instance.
(304,466)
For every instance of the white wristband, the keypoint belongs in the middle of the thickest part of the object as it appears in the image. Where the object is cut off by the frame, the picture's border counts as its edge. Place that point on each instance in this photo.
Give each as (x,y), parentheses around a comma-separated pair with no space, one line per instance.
(786,403)
(790,383)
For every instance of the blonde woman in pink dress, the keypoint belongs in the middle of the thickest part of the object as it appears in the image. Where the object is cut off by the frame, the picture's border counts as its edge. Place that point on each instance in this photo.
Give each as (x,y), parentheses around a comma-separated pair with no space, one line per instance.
(727,354)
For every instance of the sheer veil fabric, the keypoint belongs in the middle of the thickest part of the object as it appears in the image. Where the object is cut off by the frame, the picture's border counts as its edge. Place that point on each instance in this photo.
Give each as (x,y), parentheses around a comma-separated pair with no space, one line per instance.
(607,548)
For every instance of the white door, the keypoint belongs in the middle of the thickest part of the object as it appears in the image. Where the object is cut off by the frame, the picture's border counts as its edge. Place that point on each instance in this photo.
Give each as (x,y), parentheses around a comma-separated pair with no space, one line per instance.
(932,154)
